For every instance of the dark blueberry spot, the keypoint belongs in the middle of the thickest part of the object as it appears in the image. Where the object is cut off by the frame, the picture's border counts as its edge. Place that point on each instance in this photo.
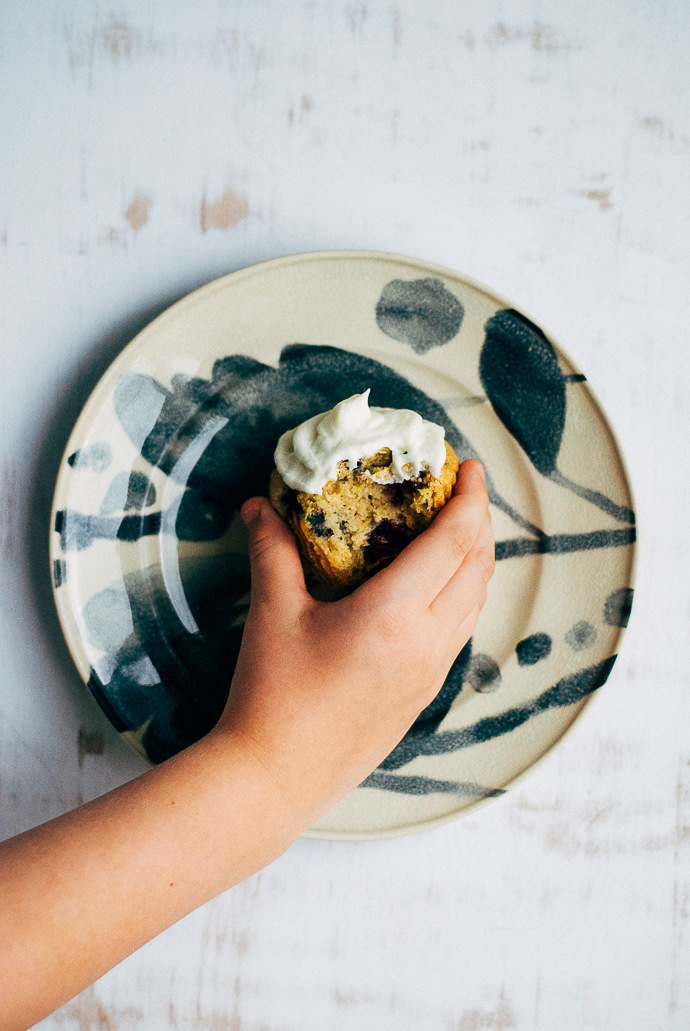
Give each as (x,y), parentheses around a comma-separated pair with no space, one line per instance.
(580,636)
(398,493)
(317,521)
(386,539)
(532,649)
(483,673)
(59,572)
(618,606)
(419,312)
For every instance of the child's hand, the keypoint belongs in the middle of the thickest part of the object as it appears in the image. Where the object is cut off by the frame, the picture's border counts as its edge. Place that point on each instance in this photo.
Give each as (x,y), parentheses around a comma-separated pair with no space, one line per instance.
(323,691)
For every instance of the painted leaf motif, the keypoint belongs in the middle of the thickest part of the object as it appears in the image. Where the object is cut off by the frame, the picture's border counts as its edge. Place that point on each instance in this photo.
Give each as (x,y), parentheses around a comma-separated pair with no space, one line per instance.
(519,371)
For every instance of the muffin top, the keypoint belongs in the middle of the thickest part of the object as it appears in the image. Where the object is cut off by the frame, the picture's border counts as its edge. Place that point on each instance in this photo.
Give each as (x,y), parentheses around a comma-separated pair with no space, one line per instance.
(312,454)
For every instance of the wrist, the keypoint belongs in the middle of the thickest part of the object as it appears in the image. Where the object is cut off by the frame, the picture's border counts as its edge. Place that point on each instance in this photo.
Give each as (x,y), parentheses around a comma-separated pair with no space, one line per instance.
(245,770)
(291,787)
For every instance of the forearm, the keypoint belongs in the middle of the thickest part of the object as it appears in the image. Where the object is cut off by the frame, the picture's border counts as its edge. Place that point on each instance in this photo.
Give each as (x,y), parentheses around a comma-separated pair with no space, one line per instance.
(82,892)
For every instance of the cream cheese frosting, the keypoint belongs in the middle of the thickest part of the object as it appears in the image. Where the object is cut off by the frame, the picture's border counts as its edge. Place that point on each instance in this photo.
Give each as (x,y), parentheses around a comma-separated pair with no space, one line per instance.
(307,457)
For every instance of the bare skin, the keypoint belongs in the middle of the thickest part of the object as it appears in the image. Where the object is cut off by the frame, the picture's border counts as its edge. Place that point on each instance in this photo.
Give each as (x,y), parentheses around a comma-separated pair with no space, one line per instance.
(321,694)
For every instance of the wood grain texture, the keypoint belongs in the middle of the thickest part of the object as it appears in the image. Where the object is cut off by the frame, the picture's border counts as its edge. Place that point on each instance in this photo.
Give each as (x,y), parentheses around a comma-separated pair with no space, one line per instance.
(540,147)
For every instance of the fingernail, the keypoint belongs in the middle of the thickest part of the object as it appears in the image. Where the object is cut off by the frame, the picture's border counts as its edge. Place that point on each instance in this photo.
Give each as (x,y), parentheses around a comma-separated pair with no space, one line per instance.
(251,511)
(480,470)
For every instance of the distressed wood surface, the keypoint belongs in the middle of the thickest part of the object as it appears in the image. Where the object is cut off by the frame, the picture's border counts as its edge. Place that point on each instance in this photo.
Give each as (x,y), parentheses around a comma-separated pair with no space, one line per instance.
(540,147)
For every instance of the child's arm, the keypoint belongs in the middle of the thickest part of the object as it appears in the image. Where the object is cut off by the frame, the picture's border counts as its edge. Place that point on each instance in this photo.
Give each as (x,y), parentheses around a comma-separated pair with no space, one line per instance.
(321,694)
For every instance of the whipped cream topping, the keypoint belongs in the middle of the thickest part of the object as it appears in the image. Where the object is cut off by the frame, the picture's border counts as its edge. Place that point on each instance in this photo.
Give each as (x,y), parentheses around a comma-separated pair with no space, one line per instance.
(308,456)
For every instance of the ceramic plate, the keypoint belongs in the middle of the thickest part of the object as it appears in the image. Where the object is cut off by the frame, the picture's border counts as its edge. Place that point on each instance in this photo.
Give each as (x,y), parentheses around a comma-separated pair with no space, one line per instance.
(149,554)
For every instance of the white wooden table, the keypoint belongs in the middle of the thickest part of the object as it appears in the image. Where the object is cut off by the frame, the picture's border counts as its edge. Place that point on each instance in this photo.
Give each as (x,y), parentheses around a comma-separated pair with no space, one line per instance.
(542,148)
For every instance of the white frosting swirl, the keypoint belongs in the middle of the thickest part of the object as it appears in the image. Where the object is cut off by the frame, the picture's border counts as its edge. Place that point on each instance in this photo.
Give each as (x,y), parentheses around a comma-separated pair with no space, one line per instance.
(308,456)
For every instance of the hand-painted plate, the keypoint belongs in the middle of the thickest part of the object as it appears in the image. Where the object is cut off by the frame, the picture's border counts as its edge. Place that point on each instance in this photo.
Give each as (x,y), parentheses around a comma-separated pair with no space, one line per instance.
(149,555)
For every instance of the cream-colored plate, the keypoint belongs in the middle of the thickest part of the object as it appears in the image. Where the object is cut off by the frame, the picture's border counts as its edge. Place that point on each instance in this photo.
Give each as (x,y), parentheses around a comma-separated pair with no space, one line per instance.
(149,559)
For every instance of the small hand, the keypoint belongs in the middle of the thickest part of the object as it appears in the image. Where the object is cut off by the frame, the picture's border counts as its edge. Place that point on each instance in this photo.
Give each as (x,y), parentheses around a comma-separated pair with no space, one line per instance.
(323,691)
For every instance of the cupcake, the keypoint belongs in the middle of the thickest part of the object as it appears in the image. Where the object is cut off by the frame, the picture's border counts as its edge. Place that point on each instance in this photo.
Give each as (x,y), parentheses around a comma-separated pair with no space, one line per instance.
(356,484)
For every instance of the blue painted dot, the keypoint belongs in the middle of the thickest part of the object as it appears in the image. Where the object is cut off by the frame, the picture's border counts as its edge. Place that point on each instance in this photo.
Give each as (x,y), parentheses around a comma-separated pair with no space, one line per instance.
(533,648)
(617,607)
(580,636)
(419,312)
(483,673)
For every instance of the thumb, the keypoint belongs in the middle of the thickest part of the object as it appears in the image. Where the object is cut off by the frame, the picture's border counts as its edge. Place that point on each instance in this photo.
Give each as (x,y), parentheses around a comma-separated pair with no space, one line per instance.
(276,567)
